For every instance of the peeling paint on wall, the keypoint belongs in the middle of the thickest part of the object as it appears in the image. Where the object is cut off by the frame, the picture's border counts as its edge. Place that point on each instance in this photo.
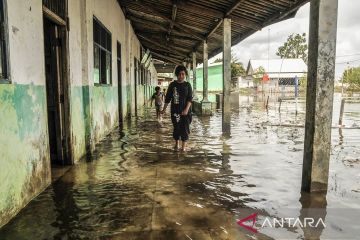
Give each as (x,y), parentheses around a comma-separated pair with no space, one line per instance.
(78,121)
(24,155)
(105,111)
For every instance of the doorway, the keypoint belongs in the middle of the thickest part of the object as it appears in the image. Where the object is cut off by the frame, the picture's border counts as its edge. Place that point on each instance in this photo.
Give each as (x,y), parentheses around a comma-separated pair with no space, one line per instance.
(119,83)
(136,75)
(55,91)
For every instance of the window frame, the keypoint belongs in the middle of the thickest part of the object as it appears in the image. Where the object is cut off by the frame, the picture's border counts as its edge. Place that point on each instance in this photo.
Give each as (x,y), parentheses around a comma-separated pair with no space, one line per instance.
(4,39)
(102,41)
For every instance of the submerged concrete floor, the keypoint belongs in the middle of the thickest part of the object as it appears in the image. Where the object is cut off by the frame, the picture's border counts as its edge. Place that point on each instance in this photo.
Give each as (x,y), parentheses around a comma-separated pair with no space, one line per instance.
(137,187)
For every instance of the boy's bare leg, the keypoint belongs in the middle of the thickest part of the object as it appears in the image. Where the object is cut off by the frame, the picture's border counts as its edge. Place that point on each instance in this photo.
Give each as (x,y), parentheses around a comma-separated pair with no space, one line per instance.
(176,147)
(157,115)
(184,146)
(161,116)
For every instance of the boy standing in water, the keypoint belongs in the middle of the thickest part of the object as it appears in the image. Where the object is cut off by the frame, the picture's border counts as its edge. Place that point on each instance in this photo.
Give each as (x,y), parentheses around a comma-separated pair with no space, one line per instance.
(158,96)
(179,94)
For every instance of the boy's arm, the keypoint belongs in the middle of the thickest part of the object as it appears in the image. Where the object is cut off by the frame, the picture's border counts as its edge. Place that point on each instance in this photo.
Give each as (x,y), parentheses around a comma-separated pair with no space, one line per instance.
(165,106)
(188,101)
(152,99)
(186,109)
(168,97)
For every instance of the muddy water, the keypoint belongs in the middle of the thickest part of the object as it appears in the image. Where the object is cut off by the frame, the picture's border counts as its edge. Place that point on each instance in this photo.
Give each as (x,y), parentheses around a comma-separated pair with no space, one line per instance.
(136,187)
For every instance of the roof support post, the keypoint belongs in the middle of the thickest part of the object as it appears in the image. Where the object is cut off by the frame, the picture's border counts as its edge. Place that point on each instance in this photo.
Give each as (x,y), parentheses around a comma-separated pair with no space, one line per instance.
(320,94)
(226,111)
(205,73)
(205,104)
(194,74)
(188,67)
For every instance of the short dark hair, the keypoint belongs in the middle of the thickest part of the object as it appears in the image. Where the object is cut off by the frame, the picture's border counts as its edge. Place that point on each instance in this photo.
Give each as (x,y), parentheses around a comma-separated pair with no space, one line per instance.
(157,88)
(180,68)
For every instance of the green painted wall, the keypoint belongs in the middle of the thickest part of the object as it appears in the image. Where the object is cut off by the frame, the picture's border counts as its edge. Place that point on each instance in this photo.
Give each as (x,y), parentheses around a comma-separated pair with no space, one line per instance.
(129,92)
(24,151)
(144,95)
(23,125)
(215,78)
(80,125)
(95,112)
(105,114)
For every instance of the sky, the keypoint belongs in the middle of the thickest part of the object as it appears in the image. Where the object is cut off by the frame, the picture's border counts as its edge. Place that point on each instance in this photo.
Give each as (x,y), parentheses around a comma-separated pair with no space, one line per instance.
(348,37)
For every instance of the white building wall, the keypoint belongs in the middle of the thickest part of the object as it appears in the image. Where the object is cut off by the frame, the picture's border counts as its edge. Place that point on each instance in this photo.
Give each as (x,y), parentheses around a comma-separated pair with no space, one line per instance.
(26,42)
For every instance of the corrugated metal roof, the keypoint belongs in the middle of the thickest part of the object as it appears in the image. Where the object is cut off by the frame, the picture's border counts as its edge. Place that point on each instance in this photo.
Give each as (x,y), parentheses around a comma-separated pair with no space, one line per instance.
(285,65)
(173,29)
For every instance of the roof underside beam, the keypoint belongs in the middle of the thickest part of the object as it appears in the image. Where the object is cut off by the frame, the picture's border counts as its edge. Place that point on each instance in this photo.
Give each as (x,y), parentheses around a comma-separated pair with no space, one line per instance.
(277,17)
(233,7)
(173,17)
(174,29)
(150,10)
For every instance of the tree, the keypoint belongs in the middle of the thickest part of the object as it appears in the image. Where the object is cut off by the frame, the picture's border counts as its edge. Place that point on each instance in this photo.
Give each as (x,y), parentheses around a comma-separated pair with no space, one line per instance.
(352,78)
(258,75)
(295,47)
(237,68)
(218,60)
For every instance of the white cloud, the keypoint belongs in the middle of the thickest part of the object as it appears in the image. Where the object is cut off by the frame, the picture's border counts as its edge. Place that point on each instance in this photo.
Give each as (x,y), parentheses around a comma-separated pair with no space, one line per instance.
(256,46)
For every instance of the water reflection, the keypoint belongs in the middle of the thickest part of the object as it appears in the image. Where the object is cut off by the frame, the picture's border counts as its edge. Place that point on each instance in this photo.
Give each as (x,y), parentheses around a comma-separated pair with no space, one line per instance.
(313,209)
(225,163)
(135,187)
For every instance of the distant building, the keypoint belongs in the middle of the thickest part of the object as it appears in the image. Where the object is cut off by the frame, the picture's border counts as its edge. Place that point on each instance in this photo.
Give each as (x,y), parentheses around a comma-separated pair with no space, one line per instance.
(215,77)
(278,72)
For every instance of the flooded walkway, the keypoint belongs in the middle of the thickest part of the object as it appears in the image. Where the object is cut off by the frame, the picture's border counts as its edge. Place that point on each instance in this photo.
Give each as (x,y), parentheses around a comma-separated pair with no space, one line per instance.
(136,187)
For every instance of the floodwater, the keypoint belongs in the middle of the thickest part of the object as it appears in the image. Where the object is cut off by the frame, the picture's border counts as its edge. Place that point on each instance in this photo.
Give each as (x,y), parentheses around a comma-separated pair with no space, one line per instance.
(136,187)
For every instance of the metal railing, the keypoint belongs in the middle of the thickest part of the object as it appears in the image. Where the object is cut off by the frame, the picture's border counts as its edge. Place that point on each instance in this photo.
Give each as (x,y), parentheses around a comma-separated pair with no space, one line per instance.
(342,107)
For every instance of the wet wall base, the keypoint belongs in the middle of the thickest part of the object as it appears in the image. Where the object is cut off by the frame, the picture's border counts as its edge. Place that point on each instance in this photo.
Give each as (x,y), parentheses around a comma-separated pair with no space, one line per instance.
(24,148)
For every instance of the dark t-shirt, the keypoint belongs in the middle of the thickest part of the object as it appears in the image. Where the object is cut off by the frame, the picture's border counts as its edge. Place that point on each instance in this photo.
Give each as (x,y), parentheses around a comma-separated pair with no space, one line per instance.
(179,94)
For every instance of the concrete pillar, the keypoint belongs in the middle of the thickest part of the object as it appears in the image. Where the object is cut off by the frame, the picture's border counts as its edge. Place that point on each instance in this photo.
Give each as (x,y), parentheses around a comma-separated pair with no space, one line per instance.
(205,75)
(129,61)
(188,67)
(194,74)
(226,111)
(320,93)
(86,24)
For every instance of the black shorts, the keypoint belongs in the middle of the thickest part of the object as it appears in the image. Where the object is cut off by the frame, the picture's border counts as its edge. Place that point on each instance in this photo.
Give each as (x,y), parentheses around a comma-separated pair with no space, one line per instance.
(181,127)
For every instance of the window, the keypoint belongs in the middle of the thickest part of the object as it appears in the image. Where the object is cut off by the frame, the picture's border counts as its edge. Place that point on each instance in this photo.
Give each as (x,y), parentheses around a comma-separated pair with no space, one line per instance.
(287,81)
(3,45)
(56,6)
(102,54)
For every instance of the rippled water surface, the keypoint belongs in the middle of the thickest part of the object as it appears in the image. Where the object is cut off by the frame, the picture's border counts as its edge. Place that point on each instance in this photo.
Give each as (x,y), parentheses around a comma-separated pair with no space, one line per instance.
(136,187)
